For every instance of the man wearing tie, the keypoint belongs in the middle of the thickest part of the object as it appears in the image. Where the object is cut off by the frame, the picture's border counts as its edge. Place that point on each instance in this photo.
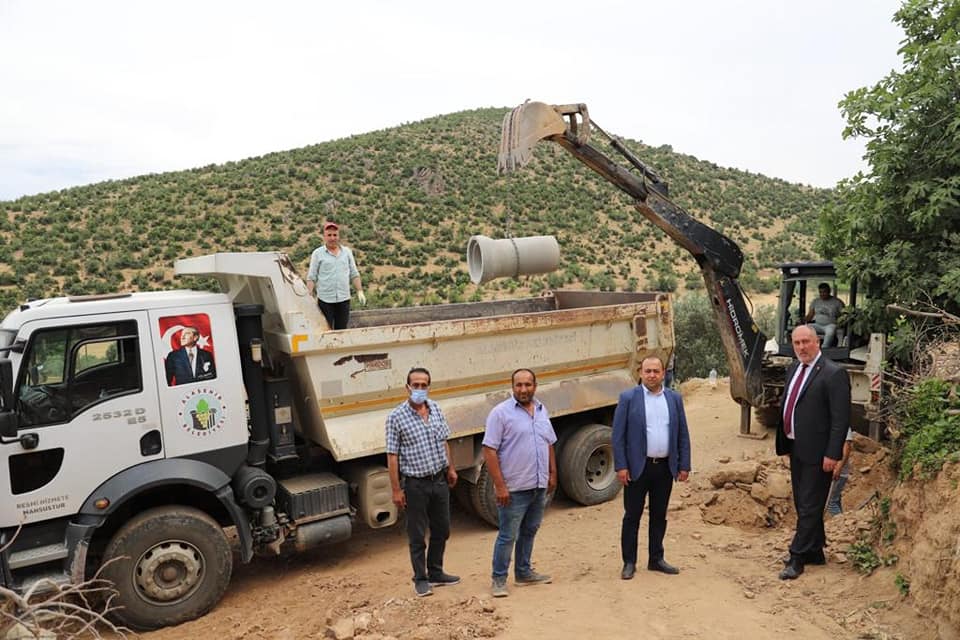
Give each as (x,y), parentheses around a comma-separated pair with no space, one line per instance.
(189,363)
(816,415)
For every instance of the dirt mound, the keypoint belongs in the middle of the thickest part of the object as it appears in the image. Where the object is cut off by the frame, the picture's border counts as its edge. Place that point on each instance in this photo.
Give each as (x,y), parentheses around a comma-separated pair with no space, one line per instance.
(927,514)
(766,500)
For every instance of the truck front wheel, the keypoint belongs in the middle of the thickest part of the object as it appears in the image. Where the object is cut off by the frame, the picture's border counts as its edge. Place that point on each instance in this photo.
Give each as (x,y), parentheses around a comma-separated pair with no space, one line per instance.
(586,467)
(169,565)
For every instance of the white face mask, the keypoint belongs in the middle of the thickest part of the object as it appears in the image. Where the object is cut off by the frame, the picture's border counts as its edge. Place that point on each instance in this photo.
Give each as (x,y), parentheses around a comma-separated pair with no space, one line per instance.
(418,396)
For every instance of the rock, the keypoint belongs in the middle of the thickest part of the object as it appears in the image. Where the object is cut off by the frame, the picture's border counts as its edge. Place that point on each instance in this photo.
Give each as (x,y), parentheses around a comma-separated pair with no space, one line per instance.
(712,499)
(729,485)
(864,444)
(749,595)
(361,621)
(714,518)
(695,536)
(840,558)
(723,459)
(22,632)
(675,506)
(862,469)
(743,486)
(759,492)
(778,484)
(735,472)
(342,629)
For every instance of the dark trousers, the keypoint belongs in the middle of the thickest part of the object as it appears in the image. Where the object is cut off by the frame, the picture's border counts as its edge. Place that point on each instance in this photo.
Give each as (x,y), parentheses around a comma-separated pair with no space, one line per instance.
(336,313)
(428,506)
(811,486)
(657,481)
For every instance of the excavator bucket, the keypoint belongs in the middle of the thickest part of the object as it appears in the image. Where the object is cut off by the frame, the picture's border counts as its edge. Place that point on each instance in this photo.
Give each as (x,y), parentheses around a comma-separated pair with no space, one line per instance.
(532,122)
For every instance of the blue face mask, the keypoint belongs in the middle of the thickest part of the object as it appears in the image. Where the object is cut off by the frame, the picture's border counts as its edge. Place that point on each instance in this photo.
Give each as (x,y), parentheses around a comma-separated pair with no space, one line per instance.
(418,396)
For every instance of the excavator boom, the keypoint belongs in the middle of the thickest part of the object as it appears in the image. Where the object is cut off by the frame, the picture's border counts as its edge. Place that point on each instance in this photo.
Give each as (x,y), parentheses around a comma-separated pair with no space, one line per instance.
(718,256)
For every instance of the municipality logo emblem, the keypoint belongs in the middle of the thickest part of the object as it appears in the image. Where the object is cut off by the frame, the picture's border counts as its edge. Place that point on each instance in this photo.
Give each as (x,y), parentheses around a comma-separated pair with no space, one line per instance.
(202,412)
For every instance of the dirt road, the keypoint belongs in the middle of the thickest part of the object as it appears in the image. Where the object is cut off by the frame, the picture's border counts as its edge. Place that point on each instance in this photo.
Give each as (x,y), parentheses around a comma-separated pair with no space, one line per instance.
(727,588)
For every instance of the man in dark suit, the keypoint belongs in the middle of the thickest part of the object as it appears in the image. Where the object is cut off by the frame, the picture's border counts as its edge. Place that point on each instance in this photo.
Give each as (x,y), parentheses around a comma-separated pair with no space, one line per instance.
(815,418)
(189,363)
(651,448)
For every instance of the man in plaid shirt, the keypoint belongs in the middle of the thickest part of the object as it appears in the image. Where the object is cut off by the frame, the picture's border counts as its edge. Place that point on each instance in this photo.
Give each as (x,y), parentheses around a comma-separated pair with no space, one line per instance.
(418,458)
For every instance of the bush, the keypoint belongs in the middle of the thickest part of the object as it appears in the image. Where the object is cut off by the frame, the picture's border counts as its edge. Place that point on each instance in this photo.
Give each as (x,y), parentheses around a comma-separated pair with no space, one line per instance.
(928,434)
(698,346)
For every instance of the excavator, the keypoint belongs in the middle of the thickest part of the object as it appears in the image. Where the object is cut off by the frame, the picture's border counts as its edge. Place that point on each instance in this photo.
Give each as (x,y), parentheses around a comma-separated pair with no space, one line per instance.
(756,377)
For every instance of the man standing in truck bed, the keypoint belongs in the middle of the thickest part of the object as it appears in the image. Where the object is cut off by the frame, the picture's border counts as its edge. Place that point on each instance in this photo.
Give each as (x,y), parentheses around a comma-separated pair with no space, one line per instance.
(332,269)
(417,450)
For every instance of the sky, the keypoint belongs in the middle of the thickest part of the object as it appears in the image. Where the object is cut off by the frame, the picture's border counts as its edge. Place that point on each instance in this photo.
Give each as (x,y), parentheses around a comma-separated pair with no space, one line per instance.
(105,89)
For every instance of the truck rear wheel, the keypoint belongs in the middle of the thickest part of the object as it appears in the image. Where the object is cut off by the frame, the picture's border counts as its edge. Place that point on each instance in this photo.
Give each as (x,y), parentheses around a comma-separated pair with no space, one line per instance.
(586,467)
(484,499)
(169,564)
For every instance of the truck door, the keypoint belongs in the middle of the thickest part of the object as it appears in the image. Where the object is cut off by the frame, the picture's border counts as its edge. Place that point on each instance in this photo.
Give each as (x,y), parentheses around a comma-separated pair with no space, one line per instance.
(87,392)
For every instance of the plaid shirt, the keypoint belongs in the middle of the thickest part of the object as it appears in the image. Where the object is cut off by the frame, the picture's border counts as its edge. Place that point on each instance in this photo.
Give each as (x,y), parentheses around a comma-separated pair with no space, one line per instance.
(421,446)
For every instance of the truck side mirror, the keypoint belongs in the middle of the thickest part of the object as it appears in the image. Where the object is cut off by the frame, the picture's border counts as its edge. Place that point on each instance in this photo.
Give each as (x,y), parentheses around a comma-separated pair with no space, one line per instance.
(8,418)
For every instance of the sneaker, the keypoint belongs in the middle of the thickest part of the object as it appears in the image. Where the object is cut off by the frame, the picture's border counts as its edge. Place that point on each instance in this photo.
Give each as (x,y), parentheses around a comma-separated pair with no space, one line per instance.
(444,580)
(422,587)
(499,588)
(533,578)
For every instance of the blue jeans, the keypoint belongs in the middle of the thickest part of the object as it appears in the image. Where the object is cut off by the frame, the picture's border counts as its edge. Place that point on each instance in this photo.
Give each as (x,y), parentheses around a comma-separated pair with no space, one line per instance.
(833,505)
(519,522)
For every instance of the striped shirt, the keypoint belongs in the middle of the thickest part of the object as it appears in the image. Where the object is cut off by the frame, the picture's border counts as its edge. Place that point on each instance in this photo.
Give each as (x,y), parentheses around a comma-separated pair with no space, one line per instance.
(332,273)
(421,446)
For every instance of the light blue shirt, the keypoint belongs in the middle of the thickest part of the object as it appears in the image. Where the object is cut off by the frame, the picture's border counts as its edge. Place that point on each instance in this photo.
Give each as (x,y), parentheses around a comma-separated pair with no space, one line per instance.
(332,273)
(658,423)
(522,443)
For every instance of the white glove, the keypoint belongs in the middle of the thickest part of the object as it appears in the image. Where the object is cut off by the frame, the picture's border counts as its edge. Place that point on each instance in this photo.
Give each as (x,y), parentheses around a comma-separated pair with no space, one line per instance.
(361,297)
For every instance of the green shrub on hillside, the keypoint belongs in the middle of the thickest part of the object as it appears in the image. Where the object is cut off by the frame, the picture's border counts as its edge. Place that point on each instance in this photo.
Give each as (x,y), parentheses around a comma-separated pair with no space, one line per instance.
(929,435)
(698,346)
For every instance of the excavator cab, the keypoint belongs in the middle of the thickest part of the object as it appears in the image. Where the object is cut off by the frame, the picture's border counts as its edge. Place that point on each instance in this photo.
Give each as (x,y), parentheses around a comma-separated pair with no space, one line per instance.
(799,287)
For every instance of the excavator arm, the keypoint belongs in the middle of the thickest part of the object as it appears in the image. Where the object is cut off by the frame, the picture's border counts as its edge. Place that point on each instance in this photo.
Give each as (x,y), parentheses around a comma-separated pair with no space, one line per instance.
(718,256)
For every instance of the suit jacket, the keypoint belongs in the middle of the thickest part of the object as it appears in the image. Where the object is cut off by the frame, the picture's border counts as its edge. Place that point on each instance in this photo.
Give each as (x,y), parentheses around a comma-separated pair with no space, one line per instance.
(630,433)
(821,415)
(178,370)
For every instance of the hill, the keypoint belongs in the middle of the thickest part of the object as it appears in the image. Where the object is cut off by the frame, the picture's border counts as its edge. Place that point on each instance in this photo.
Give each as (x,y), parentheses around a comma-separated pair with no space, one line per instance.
(409,198)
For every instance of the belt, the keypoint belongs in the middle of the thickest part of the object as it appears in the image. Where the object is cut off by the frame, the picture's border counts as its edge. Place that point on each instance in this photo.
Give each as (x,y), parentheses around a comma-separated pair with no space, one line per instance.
(656,460)
(432,476)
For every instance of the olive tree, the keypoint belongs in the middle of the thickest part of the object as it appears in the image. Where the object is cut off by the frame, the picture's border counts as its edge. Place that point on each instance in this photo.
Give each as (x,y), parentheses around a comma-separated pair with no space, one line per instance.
(896,226)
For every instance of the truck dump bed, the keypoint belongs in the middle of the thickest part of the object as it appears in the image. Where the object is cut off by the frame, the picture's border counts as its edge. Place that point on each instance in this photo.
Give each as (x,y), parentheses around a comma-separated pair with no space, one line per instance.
(585,348)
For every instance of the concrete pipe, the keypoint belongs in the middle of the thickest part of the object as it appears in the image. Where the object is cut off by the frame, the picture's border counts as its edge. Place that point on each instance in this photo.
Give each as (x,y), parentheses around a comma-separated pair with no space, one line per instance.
(511,257)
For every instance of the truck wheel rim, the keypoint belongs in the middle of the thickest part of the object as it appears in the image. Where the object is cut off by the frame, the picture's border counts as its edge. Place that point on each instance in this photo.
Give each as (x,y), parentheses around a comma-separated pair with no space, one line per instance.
(168,572)
(599,470)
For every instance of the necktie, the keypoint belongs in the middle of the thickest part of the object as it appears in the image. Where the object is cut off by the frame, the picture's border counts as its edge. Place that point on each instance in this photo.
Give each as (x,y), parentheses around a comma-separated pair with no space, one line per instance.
(792,401)
(191,356)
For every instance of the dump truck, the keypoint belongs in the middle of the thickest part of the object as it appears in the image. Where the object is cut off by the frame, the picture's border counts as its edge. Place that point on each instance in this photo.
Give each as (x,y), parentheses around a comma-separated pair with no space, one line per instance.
(120,458)
(757,365)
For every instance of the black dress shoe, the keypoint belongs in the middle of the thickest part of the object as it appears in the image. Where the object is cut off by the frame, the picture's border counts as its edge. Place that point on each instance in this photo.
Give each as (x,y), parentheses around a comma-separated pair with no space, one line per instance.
(629,569)
(815,558)
(662,566)
(792,571)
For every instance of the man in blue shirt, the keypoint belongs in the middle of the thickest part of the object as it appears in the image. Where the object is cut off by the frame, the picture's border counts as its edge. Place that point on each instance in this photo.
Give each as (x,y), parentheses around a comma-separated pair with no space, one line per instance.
(332,269)
(518,453)
(417,450)
(651,448)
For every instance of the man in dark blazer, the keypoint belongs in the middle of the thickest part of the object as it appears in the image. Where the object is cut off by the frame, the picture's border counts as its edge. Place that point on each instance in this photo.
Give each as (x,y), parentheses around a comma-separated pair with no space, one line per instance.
(815,419)
(189,363)
(651,448)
